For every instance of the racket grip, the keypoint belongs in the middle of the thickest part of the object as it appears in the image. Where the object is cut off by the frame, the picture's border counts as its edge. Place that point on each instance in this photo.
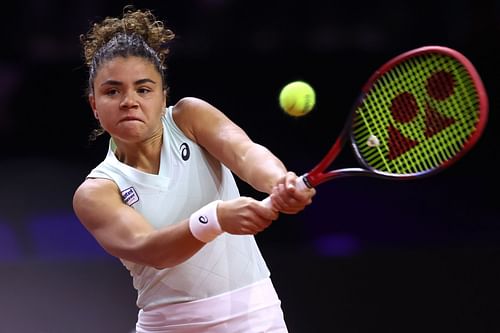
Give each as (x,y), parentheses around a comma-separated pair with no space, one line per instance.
(300,185)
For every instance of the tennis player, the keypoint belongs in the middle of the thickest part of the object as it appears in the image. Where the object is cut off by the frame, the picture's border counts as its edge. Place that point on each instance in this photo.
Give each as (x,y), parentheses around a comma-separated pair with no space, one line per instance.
(164,200)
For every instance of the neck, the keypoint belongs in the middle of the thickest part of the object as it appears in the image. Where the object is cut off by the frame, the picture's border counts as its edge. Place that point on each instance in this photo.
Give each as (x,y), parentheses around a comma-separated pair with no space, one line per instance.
(144,156)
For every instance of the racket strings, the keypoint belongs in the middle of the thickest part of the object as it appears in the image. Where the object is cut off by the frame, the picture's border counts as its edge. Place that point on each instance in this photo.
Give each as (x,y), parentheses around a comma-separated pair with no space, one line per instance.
(422,112)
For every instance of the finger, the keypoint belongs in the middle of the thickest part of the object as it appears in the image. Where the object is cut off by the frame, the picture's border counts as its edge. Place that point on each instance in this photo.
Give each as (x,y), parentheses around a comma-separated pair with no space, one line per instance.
(258,225)
(282,200)
(264,213)
(291,181)
(276,199)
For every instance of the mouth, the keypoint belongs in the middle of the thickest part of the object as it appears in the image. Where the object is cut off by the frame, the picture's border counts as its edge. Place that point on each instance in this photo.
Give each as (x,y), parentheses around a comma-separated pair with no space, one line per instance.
(126,119)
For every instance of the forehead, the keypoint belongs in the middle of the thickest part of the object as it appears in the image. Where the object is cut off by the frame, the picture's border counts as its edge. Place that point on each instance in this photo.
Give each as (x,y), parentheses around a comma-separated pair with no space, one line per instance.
(127,69)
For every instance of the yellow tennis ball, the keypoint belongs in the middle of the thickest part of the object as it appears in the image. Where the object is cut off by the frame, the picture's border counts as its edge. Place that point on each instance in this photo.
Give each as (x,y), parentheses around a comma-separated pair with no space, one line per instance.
(297,98)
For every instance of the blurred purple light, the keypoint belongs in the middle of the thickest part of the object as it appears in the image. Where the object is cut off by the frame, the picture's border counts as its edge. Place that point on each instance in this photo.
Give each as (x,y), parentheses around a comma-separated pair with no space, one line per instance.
(337,245)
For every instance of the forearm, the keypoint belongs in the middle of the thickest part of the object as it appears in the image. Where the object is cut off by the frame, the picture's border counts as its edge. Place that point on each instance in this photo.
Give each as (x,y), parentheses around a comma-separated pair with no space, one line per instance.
(162,248)
(260,168)
(173,245)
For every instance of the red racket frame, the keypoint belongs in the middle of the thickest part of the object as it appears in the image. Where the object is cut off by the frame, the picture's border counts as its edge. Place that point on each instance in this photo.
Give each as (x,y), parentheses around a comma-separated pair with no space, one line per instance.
(317,175)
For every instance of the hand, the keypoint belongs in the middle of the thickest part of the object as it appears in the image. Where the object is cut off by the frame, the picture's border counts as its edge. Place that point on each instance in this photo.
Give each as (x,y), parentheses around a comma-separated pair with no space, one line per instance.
(244,216)
(286,198)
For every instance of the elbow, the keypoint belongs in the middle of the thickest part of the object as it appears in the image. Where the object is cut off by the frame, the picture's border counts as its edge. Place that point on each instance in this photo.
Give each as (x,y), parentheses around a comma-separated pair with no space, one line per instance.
(147,260)
(159,265)
(156,259)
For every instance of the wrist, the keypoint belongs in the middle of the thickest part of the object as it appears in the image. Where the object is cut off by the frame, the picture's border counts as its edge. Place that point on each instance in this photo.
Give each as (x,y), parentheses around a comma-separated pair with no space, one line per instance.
(204,223)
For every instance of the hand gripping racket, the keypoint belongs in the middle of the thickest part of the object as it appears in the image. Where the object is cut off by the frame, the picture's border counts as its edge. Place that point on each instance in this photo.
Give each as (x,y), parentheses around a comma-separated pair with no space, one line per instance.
(417,115)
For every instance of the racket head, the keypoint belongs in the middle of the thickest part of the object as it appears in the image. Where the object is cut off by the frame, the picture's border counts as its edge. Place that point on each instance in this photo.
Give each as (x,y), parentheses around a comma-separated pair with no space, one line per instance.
(418,114)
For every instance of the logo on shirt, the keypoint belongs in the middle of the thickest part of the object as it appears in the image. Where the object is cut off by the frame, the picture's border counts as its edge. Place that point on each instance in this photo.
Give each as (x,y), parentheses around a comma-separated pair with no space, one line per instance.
(203,219)
(130,196)
(184,148)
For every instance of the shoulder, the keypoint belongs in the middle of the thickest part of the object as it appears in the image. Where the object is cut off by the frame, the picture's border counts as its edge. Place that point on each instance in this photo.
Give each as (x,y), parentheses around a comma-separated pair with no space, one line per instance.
(190,105)
(94,199)
(93,190)
(190,113)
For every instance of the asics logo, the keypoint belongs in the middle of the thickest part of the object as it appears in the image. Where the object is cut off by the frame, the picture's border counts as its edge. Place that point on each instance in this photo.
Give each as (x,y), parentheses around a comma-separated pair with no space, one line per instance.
(203,219)
(184,148)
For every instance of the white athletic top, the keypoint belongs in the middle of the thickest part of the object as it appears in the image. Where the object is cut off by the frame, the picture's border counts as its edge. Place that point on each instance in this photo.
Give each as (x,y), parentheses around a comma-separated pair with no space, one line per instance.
(189,178)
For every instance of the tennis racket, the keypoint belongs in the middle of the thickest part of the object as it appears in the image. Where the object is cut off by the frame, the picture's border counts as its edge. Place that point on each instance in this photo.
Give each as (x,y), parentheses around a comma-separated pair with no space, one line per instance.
(418,114)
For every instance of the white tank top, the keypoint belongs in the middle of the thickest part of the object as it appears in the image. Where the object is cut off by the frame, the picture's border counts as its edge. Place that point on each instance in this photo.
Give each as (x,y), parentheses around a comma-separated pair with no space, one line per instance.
(189,178)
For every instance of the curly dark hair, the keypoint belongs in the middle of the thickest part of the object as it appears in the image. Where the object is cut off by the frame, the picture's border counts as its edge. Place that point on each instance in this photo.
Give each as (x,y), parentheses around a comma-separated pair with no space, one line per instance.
(137,33)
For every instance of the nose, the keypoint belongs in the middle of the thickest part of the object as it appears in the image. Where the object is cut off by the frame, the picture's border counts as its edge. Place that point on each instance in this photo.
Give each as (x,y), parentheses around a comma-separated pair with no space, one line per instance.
(128,101)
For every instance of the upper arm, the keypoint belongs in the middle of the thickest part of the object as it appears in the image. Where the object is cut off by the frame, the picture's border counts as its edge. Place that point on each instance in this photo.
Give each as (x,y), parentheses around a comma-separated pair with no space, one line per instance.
(116,226)
(206,125)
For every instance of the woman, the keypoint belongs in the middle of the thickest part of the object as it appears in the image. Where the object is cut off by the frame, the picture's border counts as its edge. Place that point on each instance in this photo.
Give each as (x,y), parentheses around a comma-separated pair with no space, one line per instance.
(164,200)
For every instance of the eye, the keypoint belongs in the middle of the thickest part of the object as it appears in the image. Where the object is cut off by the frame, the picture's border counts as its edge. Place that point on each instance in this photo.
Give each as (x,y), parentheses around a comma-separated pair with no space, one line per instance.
(143,90)
(111,92)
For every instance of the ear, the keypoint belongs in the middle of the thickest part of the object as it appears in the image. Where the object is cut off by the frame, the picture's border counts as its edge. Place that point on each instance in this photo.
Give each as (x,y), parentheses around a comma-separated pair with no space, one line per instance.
(92,105)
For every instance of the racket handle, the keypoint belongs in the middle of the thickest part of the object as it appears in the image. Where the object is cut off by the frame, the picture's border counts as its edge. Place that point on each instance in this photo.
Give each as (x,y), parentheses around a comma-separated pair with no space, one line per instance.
(300,185)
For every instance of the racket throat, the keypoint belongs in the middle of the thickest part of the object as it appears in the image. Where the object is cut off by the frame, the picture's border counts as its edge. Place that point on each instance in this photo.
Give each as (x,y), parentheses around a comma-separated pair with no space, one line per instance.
(312,180)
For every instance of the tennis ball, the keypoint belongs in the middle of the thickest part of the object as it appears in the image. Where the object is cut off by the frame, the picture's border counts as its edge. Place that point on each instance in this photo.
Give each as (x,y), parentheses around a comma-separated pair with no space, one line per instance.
(297,98)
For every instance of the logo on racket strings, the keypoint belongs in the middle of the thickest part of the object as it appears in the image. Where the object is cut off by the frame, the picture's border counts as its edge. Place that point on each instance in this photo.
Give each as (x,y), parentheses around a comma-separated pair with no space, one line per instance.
(404,109)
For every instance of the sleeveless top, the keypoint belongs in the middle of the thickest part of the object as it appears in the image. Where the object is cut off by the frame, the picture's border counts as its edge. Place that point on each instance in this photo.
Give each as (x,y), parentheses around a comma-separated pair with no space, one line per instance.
(189,178)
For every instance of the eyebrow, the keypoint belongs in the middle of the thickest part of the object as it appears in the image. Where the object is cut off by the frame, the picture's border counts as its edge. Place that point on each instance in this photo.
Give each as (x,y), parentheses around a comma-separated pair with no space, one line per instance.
(119,83)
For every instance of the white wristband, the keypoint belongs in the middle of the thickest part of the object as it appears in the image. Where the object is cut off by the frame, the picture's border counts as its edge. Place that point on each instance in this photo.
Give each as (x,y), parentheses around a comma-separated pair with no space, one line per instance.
(204,224)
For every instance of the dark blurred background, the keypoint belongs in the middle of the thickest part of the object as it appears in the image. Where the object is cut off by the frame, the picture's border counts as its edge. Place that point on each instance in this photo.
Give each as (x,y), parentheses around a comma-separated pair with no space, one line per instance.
(368,256)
